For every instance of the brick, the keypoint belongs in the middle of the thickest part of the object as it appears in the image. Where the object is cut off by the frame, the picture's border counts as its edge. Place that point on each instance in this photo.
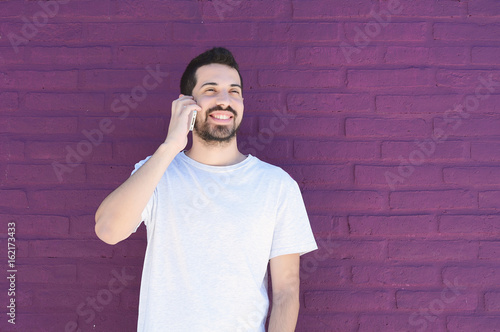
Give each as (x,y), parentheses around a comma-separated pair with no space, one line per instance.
(343,200)
(396,275)
(489,199)
(401,322)
(366,175)
(485,55)
(325,224)
(317,175)
(130,153)
(444,150)
(11,150)
(89,9)
(130,249)
(101,274)
(489,105)
(347,301)
(39,80)
(483,8)
(412,104)
(105,79)
(67,200)
(489,250)
(336,150)
(81,56)
(14,199)
(403,55)
(128,32)
(38,125)
(335,56)
(9,101)
(380,78)
(12,56)
(158,10)
(227,10)
(432,200)
(327,103)
(472,175)
(29,226)
(37,175)
(312,275)
(364,33)
(49,322)
(359,250)
(67,33)
(297,32)
(472,323)
(492,301)
(67,102)
(320,10)
(111,319)
(11,9)
(328,322)
(278,150)
(430,8)
(60,298)
(466,32)
(442,300)
(107,174)
(47,274)
(301,78)
(70,248)
(212,32)
(474,225)
(392,225)
(432,250)
(485,151)
(364,127)
(298,127)
(62,151)
(475,276)
(470,78)
(130,127)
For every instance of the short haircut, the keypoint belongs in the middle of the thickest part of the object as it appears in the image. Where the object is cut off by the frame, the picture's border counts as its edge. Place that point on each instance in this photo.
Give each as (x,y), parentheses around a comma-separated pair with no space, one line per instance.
(218,55)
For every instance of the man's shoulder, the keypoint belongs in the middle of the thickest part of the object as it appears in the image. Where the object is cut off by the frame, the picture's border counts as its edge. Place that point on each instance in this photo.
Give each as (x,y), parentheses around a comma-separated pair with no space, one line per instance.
(272,171)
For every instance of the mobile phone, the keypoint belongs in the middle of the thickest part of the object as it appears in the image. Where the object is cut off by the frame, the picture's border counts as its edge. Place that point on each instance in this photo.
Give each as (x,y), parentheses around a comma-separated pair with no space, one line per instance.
(193,119)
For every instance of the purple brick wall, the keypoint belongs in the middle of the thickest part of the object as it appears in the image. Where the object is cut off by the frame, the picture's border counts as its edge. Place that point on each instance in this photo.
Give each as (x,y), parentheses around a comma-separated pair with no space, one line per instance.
(384,111)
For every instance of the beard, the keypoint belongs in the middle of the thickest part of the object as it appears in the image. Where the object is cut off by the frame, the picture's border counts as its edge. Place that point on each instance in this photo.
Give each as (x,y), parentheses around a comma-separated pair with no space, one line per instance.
(213,134)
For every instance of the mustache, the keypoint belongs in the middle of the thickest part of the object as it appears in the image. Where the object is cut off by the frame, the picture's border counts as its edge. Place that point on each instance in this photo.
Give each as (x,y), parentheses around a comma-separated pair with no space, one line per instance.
(219,108)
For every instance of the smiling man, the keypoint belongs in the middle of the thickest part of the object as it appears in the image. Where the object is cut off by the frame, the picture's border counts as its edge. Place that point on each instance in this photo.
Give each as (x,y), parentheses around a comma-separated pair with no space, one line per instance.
(215,217)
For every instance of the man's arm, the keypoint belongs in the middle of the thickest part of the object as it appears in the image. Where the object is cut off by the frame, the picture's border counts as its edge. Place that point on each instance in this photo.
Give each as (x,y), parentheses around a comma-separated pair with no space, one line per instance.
(285,285)
(120,212)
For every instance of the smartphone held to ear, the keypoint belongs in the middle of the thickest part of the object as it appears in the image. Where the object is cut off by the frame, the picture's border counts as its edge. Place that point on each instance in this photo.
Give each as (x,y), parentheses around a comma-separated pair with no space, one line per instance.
(193,119)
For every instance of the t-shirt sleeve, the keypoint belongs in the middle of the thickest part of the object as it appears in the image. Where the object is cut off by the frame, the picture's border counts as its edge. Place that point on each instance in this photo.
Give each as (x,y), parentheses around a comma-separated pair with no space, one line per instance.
(292,232)
(147,212)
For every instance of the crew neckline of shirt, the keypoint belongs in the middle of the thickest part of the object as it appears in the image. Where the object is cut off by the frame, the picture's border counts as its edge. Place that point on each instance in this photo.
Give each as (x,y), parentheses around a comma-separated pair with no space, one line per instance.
(249,159)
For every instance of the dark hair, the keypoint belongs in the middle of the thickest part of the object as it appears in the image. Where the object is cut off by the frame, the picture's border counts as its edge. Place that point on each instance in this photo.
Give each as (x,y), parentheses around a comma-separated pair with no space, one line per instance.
(215,55)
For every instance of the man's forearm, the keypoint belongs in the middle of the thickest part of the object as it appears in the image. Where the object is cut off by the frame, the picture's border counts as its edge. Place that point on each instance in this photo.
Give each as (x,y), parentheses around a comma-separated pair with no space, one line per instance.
(120,212)
(284,312)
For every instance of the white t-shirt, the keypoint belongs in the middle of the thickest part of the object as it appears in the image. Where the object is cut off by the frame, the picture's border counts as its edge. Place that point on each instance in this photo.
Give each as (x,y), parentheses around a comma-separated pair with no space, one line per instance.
(211,232)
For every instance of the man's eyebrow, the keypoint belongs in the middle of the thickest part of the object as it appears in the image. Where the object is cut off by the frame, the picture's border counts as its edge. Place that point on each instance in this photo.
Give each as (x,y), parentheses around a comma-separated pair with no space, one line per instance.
(213,83)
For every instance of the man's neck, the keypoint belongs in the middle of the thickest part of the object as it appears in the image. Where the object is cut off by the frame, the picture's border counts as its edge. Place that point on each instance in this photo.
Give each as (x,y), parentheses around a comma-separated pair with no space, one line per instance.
(224,154)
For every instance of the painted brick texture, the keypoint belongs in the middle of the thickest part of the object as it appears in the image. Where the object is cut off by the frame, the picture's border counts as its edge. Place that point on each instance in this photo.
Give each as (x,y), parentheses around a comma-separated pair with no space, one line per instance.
(386,113)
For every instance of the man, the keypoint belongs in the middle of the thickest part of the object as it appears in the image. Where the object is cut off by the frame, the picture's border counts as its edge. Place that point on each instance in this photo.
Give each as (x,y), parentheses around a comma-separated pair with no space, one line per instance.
(215,218)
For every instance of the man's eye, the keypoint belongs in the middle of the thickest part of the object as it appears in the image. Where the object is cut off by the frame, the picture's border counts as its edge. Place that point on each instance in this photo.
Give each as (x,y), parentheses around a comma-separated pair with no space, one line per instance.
(207,90)
(236,91)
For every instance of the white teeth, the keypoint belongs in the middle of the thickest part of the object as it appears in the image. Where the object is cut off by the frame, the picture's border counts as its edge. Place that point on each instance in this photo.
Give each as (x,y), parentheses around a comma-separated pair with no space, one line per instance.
(221,117)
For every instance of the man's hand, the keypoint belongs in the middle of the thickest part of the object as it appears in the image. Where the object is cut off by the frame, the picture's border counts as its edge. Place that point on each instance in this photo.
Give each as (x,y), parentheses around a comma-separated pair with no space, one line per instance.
(180,119)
